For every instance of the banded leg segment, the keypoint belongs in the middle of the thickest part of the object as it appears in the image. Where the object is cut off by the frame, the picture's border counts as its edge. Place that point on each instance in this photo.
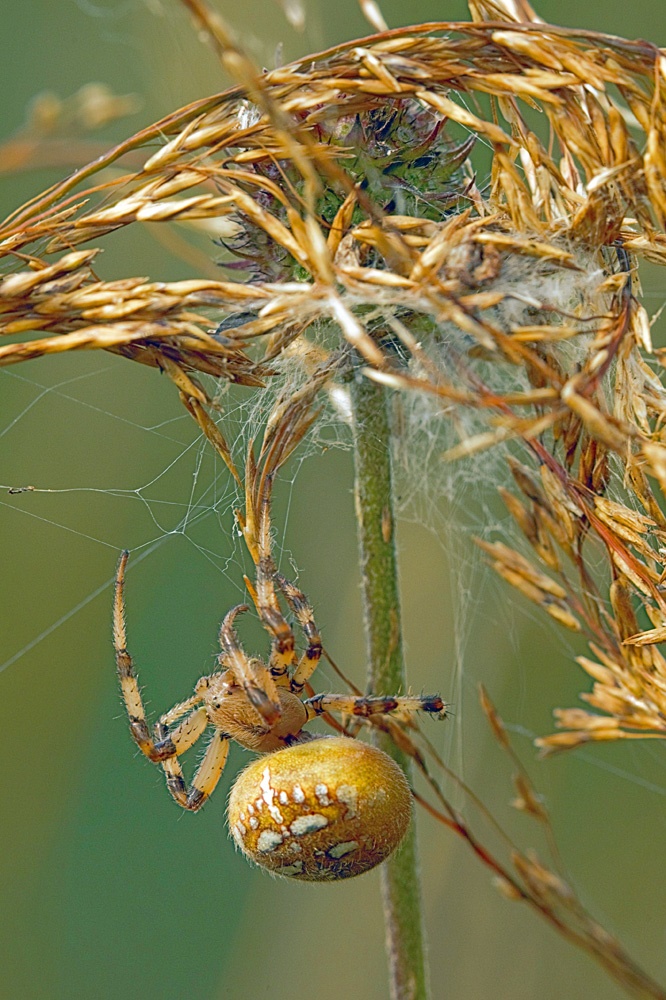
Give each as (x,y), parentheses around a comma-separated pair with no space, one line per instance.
(160,746)
(374,705)
(250,674)
(167,720)
(183,736)
(304,615)
(165,745)
(205,778)
(283,654)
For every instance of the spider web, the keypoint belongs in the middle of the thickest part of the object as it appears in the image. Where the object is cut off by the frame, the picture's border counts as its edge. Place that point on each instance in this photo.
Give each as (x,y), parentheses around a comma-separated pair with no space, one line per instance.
(105,458)
(145,479)
(112,461)
(187,494)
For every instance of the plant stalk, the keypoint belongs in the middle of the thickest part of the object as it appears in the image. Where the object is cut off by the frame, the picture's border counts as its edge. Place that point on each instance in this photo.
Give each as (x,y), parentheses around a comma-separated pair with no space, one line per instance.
(401,890)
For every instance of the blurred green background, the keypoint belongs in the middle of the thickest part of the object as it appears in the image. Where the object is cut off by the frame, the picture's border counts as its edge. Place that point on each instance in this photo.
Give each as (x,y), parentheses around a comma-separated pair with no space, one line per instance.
(107,890)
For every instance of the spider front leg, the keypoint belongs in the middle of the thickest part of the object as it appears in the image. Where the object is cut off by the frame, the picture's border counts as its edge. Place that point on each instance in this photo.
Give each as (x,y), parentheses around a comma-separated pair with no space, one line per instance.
(166,745)
(304,615)
(374,705)
(181,739)
(257,682)
(154,749)
(283,655)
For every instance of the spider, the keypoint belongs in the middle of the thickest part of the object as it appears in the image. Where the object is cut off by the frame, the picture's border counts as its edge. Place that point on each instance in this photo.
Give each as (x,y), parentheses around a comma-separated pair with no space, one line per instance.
(312,807)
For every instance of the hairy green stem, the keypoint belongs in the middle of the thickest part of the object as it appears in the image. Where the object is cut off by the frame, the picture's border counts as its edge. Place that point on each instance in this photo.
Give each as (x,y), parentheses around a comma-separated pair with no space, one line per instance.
(386,673)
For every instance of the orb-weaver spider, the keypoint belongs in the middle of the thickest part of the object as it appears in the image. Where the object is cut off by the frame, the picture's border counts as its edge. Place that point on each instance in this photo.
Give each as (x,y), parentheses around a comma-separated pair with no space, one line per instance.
(318,808)
(312,807)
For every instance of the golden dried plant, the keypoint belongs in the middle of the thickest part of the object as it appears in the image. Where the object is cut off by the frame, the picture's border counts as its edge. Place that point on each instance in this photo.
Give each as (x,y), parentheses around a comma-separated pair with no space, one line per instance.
(516,302)
(569,210)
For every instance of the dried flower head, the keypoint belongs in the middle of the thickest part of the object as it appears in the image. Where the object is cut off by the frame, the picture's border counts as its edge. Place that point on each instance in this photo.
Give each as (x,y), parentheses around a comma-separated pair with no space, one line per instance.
(342,187)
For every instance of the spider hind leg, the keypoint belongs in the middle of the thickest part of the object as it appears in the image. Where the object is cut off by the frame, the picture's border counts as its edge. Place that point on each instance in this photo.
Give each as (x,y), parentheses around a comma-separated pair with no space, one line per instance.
(375,705)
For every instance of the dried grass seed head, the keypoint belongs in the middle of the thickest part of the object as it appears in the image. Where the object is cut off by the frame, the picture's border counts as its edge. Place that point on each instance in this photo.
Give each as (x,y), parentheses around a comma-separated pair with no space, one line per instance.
(492,306)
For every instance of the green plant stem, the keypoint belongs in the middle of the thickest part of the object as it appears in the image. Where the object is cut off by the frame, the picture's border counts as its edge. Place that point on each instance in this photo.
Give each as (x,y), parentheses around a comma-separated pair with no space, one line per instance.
(386,674)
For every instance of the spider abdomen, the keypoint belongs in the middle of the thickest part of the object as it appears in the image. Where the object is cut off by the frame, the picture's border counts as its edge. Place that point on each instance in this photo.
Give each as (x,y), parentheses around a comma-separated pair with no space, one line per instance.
(328,809)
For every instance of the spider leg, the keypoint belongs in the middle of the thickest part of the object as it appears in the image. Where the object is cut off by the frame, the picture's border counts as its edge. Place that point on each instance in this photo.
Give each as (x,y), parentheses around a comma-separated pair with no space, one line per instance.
(283,654)
(129,685)
(164,747)
(205,778)
(304,615)
(177,712)
(183,736)
(253,677)
(162,744)
(374,705)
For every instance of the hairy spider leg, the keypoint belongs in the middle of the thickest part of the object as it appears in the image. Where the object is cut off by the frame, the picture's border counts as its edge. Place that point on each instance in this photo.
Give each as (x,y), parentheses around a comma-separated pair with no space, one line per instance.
(186,734)
(283,654)
(374,705)
(164,747)
(167,720)
(250,673)
(161,748)
(304,615)
(205,778)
